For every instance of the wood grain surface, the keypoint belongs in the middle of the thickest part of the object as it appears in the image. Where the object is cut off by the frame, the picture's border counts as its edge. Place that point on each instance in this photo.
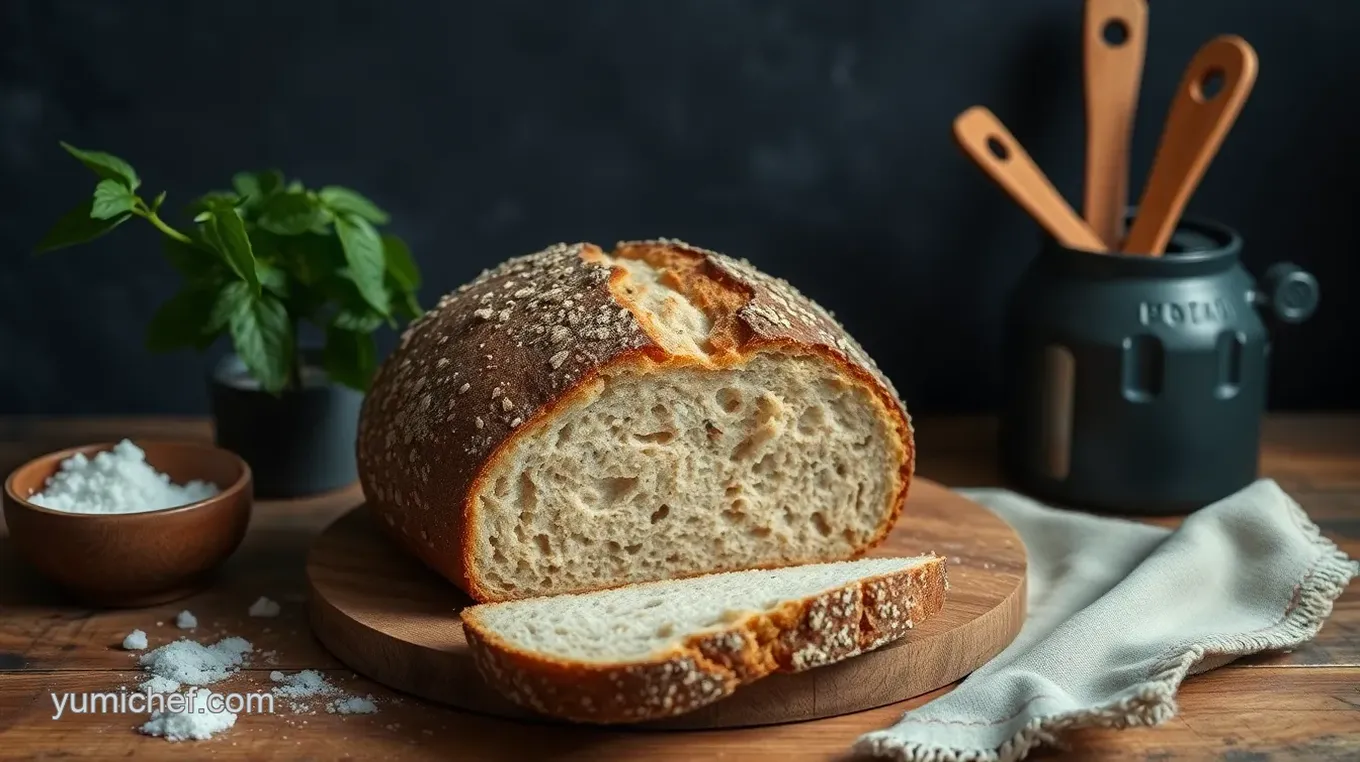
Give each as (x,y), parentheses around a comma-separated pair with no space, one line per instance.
(388,617)
(1303,705)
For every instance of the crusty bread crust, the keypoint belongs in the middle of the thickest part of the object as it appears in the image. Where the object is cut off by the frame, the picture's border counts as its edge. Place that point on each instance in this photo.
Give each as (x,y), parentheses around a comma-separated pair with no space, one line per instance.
(797,636)
(529,337)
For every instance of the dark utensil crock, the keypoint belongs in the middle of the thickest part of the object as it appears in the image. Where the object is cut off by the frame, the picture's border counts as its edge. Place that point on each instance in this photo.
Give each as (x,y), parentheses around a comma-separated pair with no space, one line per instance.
(298,443)
(1137,384)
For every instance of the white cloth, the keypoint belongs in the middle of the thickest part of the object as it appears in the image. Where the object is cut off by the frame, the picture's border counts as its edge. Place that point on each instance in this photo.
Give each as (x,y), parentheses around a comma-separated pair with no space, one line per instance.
(1120,613)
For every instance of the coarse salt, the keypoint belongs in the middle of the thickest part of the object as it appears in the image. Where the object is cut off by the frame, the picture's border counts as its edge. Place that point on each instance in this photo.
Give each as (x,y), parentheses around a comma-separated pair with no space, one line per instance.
(197,723)
(186,620)
(310,683)
(301,685)
(116,481)
(264,608)
(135,641)
(157,684)
(193,663)
(353,705)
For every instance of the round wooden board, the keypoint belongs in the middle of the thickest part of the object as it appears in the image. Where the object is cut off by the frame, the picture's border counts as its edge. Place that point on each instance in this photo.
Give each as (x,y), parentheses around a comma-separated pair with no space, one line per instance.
(391,619)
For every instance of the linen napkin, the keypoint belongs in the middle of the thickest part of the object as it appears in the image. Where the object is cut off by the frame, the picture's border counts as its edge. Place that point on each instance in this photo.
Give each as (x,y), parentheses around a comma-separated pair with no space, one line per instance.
(1120,613)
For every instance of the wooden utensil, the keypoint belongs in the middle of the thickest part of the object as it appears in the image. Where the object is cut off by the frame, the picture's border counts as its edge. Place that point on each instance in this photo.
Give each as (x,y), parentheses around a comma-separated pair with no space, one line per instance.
(982,136)
(1114,38)
(1200,116)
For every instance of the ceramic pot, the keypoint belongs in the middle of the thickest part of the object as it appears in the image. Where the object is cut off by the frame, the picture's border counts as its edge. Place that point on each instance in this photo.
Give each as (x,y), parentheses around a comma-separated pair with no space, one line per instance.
(1137,384)
(298,443)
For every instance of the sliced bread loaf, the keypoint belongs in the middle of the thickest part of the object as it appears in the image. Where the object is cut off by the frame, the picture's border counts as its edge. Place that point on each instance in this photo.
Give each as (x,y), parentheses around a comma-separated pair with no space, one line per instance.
(579,419)
(660,649)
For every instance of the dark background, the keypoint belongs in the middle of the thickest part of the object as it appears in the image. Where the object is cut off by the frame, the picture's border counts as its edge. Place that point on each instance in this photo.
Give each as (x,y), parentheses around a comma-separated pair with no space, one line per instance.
(811,137)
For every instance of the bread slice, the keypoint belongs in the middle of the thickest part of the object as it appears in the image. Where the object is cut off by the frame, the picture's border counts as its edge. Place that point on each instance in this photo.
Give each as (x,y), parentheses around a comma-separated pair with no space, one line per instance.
(660,649)
(580,419)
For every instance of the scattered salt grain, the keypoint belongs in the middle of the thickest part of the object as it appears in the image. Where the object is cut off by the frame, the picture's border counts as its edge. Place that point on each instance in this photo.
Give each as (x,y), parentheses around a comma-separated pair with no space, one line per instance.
(198,723)
(116,481)
(157,684)
(135,641)
(193,663)
(185,620)
(304,684)
(353,705)
(264,608)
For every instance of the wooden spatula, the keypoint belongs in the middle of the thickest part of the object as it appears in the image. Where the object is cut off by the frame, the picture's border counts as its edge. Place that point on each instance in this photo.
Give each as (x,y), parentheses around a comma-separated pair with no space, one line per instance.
(1114,39)
(1210,96)
(982,136)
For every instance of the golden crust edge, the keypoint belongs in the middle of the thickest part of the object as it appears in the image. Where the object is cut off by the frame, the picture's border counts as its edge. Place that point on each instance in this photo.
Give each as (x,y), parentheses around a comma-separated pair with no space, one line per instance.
(704,668)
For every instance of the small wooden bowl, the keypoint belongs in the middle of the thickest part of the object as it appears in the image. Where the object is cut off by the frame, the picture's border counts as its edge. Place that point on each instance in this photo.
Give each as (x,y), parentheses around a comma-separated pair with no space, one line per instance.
(134,559)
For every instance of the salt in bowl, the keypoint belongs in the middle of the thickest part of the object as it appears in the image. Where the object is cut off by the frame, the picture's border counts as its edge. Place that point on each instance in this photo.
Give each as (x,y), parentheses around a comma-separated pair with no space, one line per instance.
(133,559)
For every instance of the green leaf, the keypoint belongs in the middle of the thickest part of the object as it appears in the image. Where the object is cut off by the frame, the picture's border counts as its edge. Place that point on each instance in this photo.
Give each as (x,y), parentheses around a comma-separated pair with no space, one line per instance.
(182,322)
(292,213)
(364,260)
(359,321)
(157,201)
(111,199)
(195,263)
(202,207)
(106,165)
(344,201)
(400,265)
(408,307)
(246,185)
(77,226)
(307,258)
(405,305)
(233,297)
(255,187)
(272,278)
(349,357)
(262,335)
(229,236)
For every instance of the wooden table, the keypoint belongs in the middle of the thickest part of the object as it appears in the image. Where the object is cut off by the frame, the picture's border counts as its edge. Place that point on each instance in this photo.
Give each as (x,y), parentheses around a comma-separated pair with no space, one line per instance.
(1303,705)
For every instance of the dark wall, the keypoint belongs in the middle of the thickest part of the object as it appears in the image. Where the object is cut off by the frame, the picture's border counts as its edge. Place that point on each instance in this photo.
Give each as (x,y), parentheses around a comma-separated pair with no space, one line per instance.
(811,137)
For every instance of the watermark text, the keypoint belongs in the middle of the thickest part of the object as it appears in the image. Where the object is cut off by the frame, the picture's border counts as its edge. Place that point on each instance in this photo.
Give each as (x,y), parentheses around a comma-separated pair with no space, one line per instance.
(192,701)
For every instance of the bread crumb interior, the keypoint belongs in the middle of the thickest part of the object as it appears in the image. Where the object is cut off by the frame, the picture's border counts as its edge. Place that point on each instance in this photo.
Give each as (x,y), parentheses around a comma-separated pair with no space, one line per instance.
(661,472)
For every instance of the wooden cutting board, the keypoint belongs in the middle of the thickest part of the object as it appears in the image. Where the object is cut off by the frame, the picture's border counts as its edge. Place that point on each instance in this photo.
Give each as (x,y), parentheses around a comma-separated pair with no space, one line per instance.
(391,619)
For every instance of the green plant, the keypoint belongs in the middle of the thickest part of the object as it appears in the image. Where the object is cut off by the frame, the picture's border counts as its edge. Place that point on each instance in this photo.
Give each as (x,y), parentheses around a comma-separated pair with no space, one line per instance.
(257,262)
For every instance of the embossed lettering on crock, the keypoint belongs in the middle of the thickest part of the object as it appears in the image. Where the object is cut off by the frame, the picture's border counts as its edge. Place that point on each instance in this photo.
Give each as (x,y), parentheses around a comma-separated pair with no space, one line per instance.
(1176,314)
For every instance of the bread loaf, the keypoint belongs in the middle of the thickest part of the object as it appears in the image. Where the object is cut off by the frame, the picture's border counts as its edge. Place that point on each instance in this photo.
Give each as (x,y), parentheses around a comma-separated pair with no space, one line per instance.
(579,419)
(644,652)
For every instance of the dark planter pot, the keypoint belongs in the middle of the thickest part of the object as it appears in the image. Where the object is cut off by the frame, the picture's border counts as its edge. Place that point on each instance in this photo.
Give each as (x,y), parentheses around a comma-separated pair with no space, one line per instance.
(1137,384)
(298,443)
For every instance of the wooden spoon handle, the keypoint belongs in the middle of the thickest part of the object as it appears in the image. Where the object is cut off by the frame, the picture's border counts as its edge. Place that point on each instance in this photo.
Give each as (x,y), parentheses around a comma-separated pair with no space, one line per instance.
(1114,39)
(982,136)
(1195,128)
